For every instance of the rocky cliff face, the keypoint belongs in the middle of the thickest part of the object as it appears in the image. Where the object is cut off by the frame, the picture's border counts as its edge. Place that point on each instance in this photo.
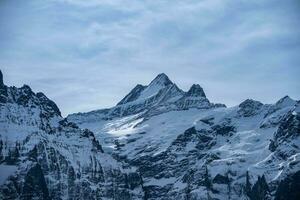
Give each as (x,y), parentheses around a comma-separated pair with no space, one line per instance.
(158,142)
(43,156)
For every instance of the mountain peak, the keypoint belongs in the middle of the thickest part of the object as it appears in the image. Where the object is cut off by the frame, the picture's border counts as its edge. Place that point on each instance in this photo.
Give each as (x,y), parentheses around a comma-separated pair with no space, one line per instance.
(286,101)
(161,79)
(249,107)
(133,94)
(196,91)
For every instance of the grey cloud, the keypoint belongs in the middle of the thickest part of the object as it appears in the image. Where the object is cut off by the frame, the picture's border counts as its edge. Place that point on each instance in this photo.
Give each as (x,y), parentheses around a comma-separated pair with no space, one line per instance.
(89,54)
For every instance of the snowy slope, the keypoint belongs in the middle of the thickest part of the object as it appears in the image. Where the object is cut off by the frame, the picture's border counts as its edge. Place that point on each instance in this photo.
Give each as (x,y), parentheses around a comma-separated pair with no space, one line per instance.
(236,144)
(192,149)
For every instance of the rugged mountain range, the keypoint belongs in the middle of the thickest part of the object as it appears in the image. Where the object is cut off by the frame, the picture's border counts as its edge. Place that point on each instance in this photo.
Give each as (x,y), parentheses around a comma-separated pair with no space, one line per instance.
(158,142)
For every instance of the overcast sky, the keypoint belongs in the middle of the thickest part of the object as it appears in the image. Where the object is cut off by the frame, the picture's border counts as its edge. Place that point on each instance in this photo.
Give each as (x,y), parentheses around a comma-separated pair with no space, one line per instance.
(87,55)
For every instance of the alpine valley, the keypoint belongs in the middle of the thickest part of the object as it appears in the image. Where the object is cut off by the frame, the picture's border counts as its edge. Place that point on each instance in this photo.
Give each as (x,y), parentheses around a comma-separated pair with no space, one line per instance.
(158,142)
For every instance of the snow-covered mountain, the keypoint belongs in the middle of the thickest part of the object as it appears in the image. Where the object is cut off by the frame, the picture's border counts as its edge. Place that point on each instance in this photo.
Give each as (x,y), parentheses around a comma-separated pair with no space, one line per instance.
(186,147)
(43,156)
(160,96)
(158,142)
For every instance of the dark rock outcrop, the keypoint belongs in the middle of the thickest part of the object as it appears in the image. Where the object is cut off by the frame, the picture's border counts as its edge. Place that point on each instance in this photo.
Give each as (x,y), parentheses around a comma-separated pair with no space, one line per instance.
(1,80)
(289,188)
(289,128)
(220,179)
(35,186)
(249,108)
(3,90)
(196,91)
(260,190)
(133,94)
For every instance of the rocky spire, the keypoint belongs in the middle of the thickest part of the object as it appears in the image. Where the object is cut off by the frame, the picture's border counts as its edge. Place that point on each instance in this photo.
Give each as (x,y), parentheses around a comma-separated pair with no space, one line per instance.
(133,94)
(1,80)
(196,91)
(161,79)
(3,89)
(249,107)
(286,101)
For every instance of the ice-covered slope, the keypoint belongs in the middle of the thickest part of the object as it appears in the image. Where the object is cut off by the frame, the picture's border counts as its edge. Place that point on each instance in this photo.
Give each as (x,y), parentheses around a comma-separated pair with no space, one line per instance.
(43,156)
(191,149)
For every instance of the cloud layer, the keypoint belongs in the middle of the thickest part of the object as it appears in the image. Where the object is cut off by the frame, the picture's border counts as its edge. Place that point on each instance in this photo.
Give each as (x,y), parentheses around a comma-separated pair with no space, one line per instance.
(88,54)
